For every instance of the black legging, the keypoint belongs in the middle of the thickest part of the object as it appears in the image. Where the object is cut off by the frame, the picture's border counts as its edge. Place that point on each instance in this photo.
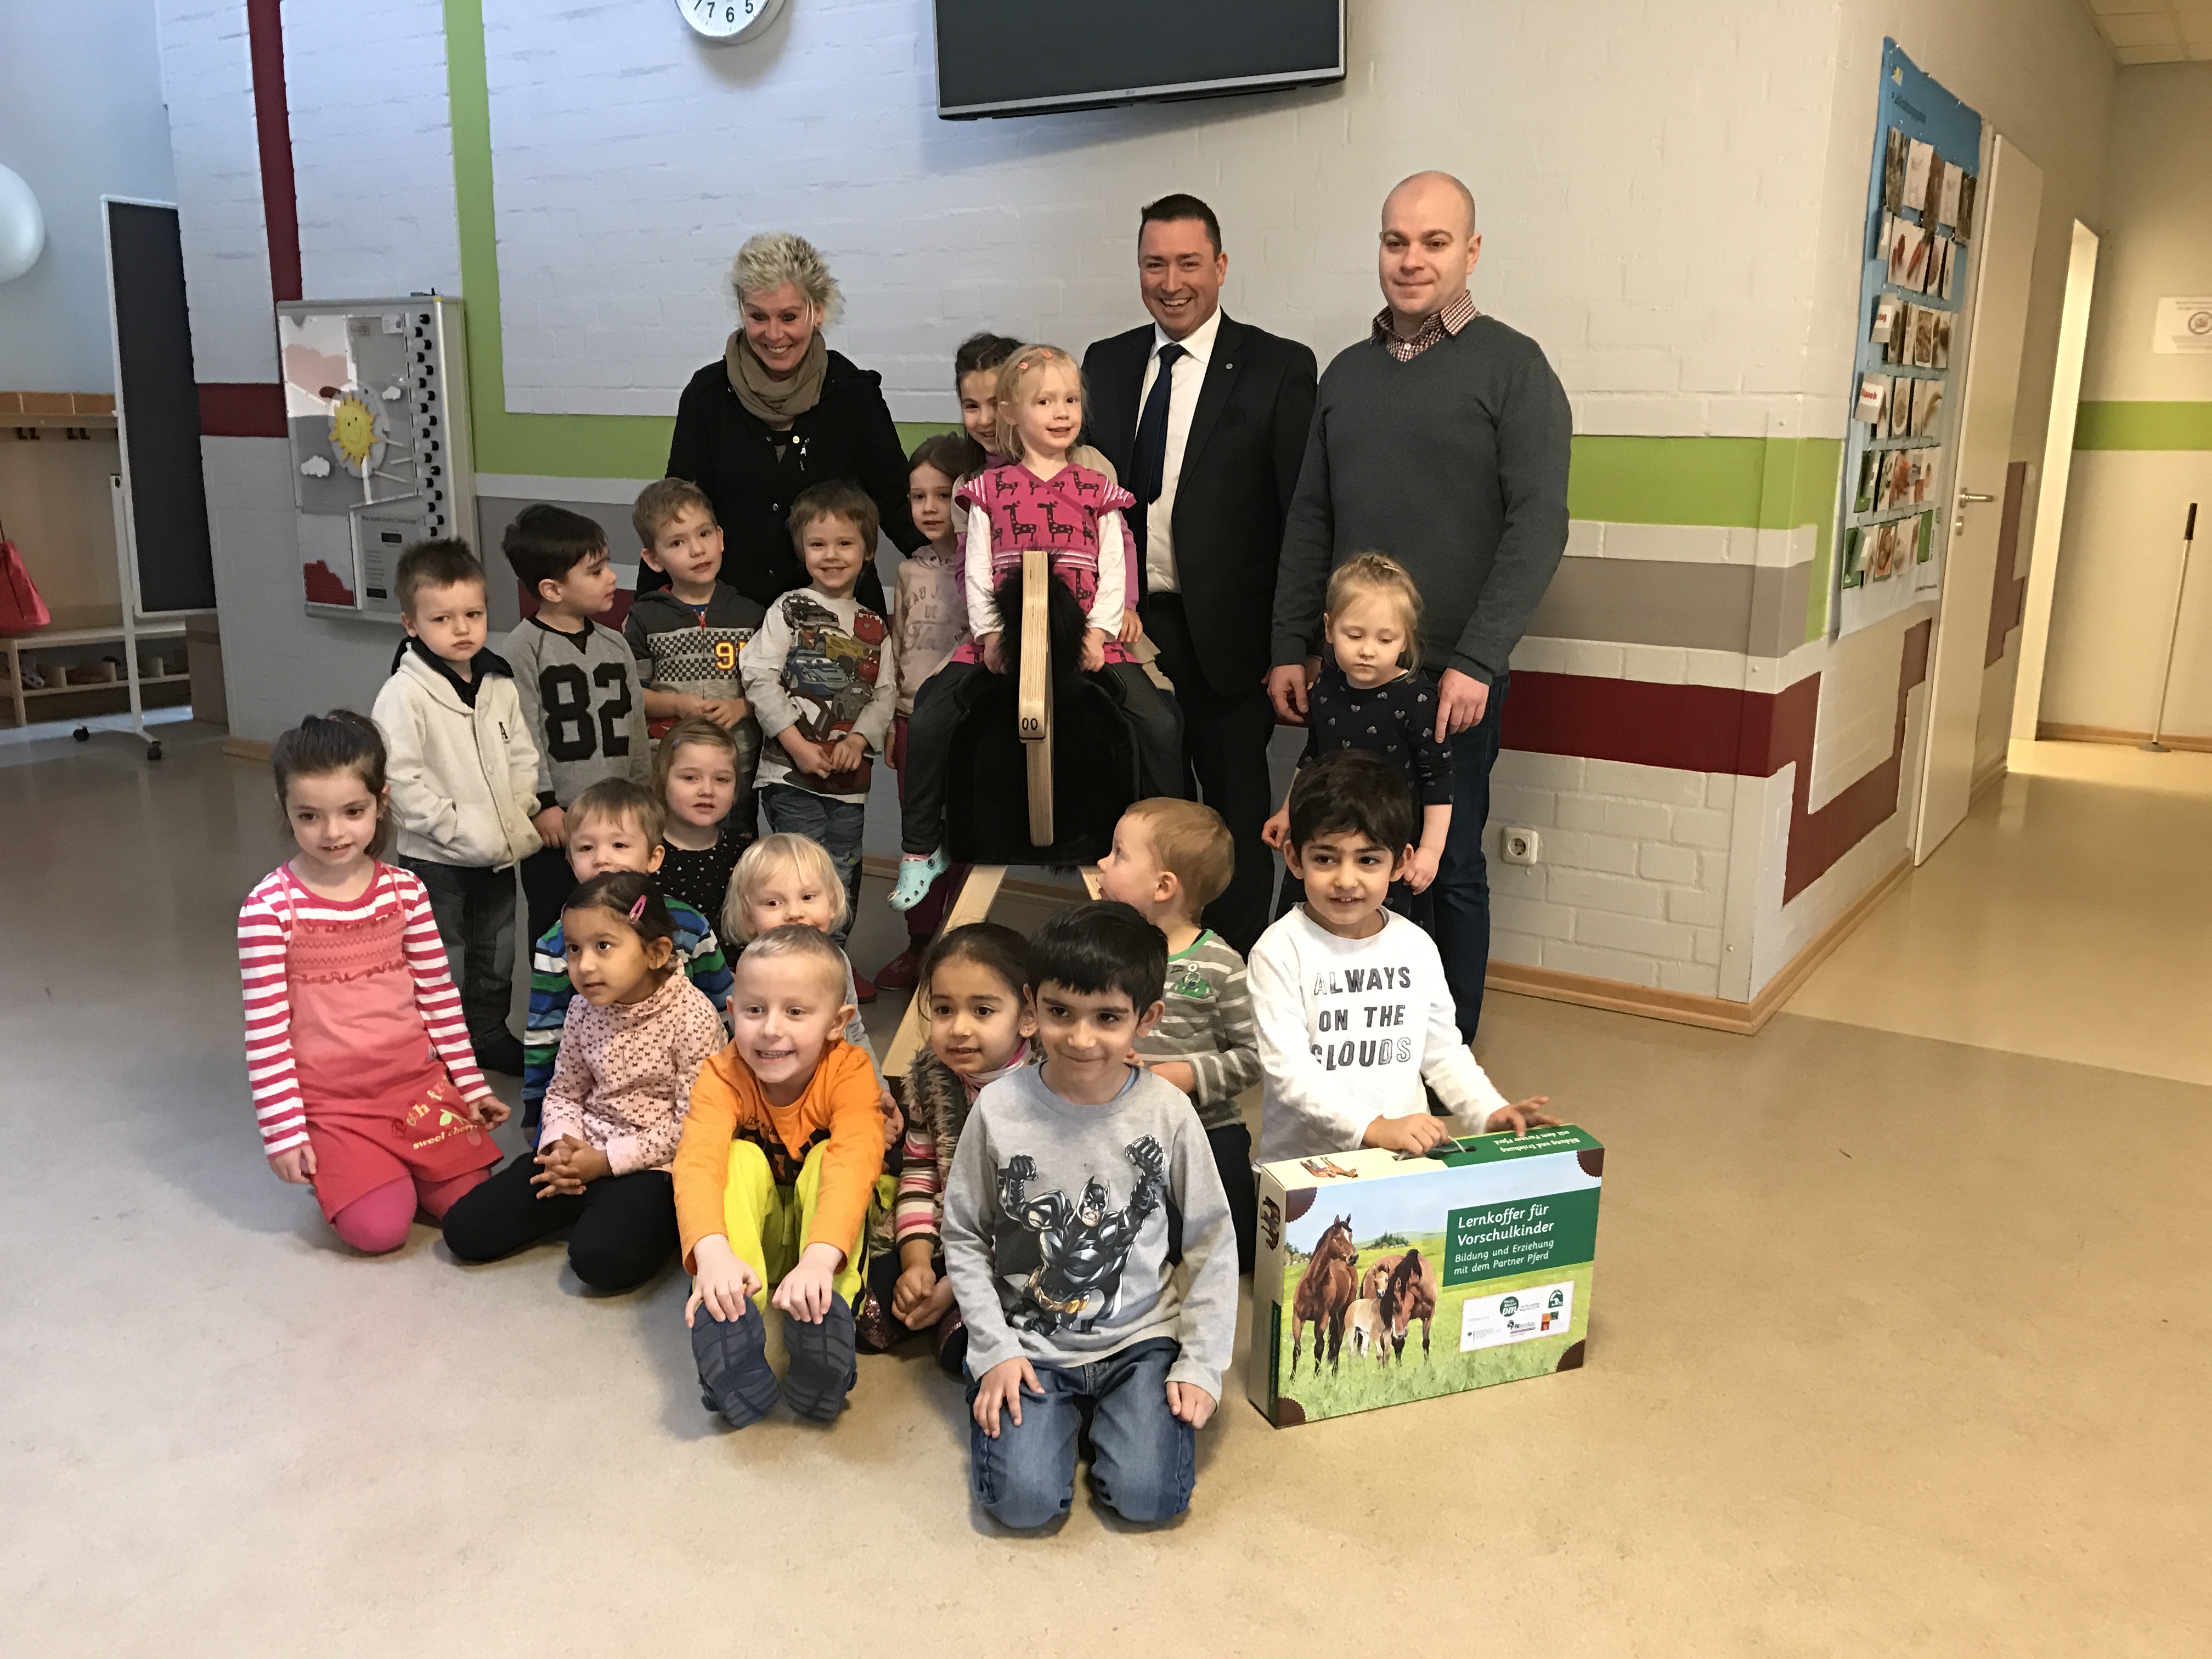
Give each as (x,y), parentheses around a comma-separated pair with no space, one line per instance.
(625,1224)
(942,702)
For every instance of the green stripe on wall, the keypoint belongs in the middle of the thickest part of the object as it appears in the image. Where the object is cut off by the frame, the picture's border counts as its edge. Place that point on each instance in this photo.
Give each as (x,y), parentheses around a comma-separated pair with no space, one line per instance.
(1760,483)
(2143,426)
(1767,483)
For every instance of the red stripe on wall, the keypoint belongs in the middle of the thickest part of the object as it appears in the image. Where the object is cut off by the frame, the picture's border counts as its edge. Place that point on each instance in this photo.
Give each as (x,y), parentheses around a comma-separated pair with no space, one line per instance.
(1692,728)
(241,411)
(1703,728)
(272,125)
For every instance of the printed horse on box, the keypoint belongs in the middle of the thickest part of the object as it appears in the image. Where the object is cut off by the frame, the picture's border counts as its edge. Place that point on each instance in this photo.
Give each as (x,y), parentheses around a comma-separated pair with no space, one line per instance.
(1325,1291)
(1403,1289)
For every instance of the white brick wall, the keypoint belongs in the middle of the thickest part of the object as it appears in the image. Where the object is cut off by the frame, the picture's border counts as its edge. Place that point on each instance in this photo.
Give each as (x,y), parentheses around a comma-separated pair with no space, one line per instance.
(1603,164)
(208,80)
(372,148)
(1632,881)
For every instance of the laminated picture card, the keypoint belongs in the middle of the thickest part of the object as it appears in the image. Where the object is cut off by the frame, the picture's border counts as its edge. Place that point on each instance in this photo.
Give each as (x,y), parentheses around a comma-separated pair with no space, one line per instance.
(1384,1280)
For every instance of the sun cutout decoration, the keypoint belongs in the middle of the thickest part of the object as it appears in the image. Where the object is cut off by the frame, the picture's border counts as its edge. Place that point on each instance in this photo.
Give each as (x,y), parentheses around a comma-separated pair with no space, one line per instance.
(357,432)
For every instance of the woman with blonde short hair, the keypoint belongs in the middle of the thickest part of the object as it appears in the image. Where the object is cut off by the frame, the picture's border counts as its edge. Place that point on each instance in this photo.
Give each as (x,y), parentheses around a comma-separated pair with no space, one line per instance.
(778,412)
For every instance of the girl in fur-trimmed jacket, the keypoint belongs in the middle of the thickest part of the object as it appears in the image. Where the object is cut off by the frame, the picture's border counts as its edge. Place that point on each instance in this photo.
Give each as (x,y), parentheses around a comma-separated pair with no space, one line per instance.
(975,990)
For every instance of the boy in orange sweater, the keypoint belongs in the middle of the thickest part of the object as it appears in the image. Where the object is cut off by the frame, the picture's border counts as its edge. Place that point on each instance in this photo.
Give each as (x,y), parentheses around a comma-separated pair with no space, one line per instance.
(779,1161)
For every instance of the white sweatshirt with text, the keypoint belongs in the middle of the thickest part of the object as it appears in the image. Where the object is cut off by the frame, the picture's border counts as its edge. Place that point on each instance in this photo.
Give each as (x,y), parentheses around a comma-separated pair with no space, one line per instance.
(1350,1029)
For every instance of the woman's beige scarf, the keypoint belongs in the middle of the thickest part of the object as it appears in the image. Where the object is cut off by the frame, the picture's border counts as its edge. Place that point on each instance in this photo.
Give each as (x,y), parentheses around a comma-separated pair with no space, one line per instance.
(779,402)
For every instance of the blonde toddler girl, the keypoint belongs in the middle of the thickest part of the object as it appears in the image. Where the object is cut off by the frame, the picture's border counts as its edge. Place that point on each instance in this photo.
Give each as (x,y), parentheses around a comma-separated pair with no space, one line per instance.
(1040,500)
(696,772)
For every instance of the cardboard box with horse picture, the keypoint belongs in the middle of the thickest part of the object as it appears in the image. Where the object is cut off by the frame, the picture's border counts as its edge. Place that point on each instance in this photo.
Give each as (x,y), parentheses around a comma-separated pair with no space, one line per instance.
(1384,1278)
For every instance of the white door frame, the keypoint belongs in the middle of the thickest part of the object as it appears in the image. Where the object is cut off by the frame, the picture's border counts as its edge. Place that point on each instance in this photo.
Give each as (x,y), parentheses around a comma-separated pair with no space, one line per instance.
(2058,473)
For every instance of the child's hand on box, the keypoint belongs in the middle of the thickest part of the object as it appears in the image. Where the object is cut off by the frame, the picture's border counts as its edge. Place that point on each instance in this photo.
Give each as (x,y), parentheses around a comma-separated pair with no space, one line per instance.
(1191,1403)
(1413,1133)
(1002,1385)
(806,1290)
(1521,1116)
(724,1284)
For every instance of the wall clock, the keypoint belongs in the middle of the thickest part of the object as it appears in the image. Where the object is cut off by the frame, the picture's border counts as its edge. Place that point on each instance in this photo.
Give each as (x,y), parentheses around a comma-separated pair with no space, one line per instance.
(723,20)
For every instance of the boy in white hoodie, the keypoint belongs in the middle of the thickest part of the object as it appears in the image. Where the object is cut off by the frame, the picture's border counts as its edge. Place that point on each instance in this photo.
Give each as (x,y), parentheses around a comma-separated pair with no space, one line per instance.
(464,779)
(1353,1011)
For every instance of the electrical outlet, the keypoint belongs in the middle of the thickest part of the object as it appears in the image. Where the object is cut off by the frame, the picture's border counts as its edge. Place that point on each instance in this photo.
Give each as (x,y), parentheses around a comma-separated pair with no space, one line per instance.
(1517,846)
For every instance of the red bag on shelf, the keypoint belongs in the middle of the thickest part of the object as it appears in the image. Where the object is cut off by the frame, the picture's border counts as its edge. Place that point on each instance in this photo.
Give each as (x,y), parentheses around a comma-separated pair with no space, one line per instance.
(22,609)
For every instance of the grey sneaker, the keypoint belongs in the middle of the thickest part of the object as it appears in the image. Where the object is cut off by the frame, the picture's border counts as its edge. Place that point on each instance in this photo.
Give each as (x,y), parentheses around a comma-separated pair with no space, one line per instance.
(823,1368)
(734,1378)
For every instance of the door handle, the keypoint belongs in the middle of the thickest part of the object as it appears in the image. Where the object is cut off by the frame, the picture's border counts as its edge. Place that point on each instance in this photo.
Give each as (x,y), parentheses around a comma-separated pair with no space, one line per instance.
(1966,495)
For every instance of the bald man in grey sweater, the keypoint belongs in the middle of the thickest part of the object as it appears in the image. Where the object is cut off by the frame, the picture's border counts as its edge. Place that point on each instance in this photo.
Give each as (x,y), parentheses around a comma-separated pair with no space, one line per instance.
(1442,439)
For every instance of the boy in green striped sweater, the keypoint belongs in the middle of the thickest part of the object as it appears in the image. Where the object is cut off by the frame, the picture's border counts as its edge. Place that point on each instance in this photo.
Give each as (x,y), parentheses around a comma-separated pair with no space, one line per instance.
(1170,860)
(615,824)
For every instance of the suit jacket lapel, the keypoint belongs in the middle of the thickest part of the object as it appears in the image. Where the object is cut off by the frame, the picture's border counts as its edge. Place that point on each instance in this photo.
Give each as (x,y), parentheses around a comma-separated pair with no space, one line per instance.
(1214,391)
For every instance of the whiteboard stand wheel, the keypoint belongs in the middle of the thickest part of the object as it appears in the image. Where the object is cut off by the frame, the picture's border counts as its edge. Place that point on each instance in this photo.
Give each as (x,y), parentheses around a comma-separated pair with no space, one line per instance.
(153,750)
(82,734)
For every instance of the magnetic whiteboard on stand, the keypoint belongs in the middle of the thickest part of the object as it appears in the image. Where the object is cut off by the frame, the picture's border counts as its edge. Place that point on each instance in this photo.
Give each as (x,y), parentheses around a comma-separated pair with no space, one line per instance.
(170,560)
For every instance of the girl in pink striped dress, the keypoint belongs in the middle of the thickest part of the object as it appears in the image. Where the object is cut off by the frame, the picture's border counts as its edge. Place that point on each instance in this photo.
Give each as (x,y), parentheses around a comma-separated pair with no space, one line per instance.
(357,1049)
(1042,499)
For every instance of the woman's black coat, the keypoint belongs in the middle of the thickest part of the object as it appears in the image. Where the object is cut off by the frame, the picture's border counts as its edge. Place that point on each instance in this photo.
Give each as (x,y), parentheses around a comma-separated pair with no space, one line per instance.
(731,454)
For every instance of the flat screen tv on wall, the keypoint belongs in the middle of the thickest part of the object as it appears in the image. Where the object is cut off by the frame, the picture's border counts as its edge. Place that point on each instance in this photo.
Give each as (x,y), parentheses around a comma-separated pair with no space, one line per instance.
(1024,57)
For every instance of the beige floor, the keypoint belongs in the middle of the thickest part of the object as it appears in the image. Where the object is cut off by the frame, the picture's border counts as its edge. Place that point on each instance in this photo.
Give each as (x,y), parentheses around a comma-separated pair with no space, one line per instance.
(2070,916)
(1900,1347)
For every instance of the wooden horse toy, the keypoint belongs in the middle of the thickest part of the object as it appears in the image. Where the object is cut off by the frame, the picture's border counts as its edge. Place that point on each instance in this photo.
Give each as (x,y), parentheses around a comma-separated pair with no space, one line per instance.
(1045,738)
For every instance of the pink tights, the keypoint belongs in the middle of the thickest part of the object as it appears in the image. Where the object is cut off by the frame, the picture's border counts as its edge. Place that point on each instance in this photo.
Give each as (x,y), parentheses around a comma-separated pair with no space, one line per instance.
(376,1222)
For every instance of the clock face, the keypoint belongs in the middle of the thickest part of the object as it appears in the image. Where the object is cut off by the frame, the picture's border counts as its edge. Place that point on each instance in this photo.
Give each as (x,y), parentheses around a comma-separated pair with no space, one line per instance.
(728,20)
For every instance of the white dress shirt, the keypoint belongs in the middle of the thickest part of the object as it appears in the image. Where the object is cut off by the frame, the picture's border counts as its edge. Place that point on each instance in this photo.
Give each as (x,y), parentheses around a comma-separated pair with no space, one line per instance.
(1160,575)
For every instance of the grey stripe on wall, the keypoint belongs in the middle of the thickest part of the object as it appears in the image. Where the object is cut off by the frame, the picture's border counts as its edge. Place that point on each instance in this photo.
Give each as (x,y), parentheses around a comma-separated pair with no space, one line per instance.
(1706,607)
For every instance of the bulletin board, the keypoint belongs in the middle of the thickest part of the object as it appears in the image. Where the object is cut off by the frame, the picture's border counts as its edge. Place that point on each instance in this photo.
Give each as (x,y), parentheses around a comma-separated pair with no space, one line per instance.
(1911,339)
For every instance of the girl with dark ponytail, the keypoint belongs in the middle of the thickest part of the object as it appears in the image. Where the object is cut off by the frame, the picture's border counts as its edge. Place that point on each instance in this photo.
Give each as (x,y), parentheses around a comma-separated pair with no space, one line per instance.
(356,1051)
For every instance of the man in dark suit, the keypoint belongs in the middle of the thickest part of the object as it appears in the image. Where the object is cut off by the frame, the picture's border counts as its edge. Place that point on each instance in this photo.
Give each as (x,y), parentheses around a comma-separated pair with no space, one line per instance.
(1206,419)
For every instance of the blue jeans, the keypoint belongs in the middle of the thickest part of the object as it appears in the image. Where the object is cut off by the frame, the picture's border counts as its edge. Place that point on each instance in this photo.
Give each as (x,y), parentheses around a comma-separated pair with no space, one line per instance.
(1143,1460)
(836,823)
(1461,888)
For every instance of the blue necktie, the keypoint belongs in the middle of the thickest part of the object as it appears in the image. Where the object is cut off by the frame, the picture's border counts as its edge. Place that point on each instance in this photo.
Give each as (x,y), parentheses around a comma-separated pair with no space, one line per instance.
(1148,461)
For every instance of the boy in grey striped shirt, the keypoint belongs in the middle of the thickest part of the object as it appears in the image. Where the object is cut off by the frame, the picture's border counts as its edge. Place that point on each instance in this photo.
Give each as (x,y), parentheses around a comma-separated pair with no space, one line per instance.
(1170,860)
